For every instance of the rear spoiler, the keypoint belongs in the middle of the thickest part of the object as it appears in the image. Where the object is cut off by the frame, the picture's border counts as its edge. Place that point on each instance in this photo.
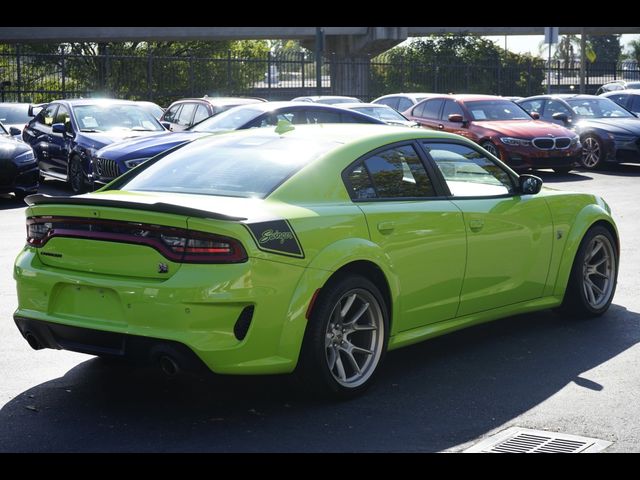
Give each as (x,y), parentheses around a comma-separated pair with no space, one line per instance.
(42,199)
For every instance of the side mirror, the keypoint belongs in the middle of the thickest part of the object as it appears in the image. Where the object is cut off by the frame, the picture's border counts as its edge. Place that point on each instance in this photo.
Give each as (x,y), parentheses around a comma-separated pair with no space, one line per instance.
(530,184)
(535,115)
(58,128)
(456,117)
(166,125)
(561,117)
(15,131)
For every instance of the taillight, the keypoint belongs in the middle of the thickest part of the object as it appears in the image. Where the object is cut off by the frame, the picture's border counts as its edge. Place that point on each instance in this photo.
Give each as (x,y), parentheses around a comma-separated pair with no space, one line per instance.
(202,247)
(176,244)
(37,232)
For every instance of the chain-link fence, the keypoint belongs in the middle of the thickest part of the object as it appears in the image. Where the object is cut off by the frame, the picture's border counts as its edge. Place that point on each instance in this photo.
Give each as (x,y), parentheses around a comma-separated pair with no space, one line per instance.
(44,77)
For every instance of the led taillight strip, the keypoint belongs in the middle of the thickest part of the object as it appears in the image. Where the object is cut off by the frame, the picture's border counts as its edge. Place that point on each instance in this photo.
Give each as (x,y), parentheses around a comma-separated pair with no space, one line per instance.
(235,254)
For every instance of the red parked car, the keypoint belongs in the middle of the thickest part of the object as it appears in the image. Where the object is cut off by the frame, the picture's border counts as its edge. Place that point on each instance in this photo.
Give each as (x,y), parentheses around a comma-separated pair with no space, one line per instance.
(503,128)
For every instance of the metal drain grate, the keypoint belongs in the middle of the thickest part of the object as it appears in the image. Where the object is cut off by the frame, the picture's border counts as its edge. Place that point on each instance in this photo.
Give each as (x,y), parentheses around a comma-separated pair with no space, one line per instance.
(524,440)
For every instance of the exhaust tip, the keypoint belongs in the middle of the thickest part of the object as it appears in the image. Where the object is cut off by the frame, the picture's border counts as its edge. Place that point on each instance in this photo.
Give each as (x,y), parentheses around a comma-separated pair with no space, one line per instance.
(168,366)
(33,341)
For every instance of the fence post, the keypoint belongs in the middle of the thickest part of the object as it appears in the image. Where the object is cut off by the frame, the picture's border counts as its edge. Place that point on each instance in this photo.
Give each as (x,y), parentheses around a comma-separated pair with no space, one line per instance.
(107,72)
(435,78)
(64,74)
(269,71)
(150,76)
(18,72)
(229,71)
(302,62)
(191,77)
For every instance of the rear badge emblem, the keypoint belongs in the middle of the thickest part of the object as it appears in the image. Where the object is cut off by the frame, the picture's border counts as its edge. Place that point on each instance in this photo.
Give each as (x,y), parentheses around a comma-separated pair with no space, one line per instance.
(163,268)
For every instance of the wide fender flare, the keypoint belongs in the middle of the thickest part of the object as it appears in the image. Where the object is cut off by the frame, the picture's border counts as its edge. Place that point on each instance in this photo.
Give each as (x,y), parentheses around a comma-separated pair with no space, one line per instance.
(585,219)
(328,261)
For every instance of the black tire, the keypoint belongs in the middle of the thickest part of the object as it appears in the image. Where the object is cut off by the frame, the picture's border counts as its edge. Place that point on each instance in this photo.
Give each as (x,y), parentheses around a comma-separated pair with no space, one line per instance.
(592,152)
(562,170)
(577,301)
(342,381)
(77,179)
(491,148)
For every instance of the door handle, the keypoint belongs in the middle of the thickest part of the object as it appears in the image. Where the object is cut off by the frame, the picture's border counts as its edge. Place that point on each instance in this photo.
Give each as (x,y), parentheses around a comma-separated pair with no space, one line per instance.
(476,225)
(440,126)
(386,227)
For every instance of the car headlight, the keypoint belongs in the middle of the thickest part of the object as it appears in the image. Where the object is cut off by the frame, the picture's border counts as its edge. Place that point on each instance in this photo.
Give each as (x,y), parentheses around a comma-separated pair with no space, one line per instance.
(515,142)
(575,140)
(90,152)
(25,157)
(134,162)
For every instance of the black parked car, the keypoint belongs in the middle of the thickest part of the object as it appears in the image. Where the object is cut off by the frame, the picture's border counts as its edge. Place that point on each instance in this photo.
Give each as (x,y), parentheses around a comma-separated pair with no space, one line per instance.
(18,168)
(113,160)
(629,99)
(608,132)
(66,133)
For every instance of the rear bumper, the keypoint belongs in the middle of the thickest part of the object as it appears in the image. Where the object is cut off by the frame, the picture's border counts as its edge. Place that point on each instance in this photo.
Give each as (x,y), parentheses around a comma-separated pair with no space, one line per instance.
(146,350)
(203,307)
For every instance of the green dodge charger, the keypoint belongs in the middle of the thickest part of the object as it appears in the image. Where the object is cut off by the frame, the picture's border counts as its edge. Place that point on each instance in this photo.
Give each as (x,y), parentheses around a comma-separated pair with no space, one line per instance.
(312,250)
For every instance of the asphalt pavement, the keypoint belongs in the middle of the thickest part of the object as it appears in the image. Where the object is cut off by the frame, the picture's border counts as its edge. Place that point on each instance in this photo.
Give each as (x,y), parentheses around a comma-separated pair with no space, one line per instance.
(538,371)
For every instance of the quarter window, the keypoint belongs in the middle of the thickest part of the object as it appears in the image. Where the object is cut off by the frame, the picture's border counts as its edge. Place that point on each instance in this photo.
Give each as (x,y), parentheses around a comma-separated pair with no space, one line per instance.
(467,172)
(171,113)
(390,174)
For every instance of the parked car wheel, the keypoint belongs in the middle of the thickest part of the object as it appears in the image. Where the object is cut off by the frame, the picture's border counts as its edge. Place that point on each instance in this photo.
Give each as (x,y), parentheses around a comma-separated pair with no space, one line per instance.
(77,179)
(491,148)
(594,274)
(591,152)
(346,338)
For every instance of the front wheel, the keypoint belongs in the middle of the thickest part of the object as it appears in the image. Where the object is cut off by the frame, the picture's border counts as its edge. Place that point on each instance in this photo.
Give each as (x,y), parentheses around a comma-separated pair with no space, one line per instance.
(594,275)
(591,152)
(491,148)
(77,179)
(346,338)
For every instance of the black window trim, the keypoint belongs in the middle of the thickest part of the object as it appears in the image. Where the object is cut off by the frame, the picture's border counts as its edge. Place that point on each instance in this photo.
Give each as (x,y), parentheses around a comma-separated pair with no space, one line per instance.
(448,196)
(431,174)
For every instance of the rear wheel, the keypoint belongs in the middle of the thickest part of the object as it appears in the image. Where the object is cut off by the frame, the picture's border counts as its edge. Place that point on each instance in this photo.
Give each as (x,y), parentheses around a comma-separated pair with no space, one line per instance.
(594,275)
(346,338)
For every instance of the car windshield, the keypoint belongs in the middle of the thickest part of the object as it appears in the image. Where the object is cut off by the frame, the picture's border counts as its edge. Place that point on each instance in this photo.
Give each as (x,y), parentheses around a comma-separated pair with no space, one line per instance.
(492,110)
(231,119)
(228,165)
(385,114)
(11,114)
(109,116)
(597,108)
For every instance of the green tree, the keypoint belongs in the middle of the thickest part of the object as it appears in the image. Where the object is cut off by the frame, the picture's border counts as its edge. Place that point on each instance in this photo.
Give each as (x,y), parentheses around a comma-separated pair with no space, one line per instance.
(607,49)
(455,63)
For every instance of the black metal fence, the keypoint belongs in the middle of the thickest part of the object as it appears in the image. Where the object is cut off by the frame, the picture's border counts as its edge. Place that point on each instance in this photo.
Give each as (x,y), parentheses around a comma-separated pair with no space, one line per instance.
(44,77)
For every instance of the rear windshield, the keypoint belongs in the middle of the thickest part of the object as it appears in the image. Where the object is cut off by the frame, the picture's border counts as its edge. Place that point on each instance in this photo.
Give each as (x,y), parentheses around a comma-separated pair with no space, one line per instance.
(229,166)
